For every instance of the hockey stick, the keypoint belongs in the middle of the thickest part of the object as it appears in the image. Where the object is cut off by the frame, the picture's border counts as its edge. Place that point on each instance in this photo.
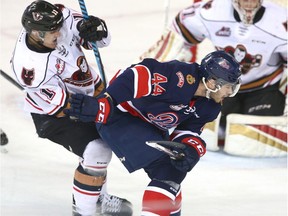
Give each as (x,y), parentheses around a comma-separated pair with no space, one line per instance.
(165,146)
(166,15)
(11,80)
(94,46)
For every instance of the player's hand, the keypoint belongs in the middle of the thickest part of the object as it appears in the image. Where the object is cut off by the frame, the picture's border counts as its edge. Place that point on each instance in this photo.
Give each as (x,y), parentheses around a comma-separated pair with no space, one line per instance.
(193,150)
(92,29)
(89,109)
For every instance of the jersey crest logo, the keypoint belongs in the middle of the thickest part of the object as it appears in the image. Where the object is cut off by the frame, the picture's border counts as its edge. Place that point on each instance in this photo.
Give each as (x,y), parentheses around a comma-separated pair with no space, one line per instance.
(83,76)
(164,120)
(28,76)
(156,81)
(246,60)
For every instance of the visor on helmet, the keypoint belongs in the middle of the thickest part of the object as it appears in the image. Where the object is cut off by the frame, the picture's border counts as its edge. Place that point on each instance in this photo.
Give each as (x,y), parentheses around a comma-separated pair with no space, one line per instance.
(235,86)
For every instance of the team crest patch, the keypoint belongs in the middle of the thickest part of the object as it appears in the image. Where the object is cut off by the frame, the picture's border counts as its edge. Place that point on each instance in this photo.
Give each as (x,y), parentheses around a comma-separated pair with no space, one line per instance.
(181,79)
(60,65)
(28,76)
(190,79)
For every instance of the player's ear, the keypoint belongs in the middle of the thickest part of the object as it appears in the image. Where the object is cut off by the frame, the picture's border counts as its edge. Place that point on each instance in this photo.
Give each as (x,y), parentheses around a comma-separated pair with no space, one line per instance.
(211,83)
(34,34)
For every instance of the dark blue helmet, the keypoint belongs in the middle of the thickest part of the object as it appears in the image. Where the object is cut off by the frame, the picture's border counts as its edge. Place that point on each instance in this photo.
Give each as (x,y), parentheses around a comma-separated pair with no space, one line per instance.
(223,68)
(42,16)
(220,64)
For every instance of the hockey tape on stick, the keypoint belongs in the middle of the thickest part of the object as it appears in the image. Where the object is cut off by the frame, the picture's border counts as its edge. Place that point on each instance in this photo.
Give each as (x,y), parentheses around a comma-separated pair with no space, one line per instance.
(94,46)
(11,80)
(165,146)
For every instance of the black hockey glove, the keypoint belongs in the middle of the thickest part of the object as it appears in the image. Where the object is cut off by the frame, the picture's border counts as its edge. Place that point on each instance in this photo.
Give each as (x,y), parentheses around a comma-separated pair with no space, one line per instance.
(91,109)
(194,148)
(4,138)
(92,29)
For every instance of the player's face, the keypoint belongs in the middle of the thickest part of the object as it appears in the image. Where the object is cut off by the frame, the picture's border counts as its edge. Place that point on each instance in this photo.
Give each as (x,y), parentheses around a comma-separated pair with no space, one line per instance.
(248,6)
(50,38)
(225,91)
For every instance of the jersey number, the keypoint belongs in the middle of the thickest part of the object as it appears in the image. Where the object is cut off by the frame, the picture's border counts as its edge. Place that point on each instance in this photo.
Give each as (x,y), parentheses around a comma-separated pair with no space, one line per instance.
(156,81)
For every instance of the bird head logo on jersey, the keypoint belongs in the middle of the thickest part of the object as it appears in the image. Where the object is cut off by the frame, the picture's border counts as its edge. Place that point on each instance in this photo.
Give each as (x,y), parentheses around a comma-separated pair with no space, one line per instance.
(28,76)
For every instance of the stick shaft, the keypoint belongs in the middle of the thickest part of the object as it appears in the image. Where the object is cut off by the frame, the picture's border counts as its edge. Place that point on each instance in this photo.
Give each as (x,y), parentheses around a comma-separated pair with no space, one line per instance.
(94,46)
(11,80)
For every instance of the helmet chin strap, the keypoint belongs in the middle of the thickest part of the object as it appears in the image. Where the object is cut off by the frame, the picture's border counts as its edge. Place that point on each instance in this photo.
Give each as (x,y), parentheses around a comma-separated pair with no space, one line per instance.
(208,90)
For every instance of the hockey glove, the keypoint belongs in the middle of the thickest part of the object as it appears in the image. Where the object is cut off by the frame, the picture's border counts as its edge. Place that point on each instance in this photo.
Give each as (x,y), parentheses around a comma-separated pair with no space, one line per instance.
(89,109)
(194,148)
(4,138)
(92,29)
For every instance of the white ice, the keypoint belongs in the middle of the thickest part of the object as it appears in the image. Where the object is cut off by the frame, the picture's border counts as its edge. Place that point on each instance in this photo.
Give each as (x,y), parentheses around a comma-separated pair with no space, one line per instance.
(36,174)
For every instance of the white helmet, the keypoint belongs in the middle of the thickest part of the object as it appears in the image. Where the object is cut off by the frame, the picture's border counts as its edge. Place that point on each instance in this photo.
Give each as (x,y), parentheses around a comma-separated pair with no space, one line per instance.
(247,9)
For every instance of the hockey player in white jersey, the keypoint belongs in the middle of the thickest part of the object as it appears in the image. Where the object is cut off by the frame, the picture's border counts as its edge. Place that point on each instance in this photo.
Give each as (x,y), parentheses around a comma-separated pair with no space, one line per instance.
(254,32)
(49,63)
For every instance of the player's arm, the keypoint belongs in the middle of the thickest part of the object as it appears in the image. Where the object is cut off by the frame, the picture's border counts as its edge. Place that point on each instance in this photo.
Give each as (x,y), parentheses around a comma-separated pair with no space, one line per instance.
(48,100)
(134,82)
(188,24)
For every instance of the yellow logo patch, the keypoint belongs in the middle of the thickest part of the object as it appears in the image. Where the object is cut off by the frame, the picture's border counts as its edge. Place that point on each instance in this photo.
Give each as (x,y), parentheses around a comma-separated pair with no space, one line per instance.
(190,79)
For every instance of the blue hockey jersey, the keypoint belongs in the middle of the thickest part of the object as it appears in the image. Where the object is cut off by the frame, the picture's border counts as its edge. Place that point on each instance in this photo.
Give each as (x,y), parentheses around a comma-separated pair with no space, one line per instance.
(163,95)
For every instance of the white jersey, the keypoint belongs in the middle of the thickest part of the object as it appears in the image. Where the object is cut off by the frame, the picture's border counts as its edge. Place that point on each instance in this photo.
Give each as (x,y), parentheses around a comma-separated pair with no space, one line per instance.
(260,48)
(49,77)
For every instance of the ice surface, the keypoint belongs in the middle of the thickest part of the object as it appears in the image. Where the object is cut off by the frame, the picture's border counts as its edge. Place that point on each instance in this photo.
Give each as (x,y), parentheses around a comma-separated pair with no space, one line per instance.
(36,175)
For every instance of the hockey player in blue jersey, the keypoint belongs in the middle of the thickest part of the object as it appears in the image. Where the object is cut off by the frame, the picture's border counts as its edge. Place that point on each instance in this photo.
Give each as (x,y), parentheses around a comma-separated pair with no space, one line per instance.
(170,101)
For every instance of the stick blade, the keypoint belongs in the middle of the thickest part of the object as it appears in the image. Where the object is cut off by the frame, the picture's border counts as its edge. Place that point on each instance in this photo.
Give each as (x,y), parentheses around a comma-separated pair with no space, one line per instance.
(165,146)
